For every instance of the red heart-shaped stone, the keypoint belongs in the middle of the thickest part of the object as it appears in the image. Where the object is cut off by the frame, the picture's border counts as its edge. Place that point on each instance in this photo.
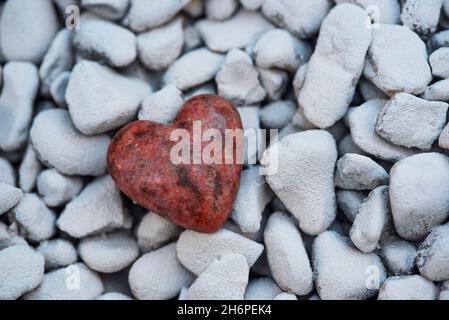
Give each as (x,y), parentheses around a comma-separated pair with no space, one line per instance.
(195,196)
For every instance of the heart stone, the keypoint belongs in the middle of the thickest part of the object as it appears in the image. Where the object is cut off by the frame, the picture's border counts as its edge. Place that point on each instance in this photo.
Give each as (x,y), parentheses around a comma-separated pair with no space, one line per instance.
(177,170)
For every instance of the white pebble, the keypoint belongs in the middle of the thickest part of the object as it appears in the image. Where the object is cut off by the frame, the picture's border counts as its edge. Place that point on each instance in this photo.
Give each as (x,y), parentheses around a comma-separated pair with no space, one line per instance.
(197,250)
(9,197)
(397,61)
(362,122)
(100,99)
(438,91)
(193,68)
(21,270)
(220,9)
(57,253)
(411,122)
(423,176)
(349,201)
(27,29)
(335,70)
(158,275)
(252,197)
(35,218)
(59,58)
(341,270)
(433,254)
(58,144)
(287,256)
(57,189)
(261,289)
(412,287)
(98,208)
(7,174)
(238,79)
(54,286)
(108,253)
(20,85)
(162,106)
(371,220)
(159,48)
(439,62)
(224,279)
(398,255)
(279,49)
(357,172)
(148,14)
(108,9)
(302,18)
(421,16)
(29,170)
(237,32)
(277,114)
(303,164)
(154,231)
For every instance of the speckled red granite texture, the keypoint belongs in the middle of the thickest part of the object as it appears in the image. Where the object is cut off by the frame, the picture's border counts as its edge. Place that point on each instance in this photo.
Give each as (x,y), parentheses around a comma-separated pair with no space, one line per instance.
(195,196)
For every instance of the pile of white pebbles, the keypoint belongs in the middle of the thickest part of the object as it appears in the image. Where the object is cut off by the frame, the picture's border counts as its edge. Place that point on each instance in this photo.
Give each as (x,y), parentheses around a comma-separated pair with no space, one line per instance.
(359,205)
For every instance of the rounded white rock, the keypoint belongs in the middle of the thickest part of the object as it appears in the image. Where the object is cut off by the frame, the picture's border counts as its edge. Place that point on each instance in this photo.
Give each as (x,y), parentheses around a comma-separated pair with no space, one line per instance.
(101,99)
(20,85)
(279,49)
(108,253)
(9,197)
(357,172)
(287,257)
(341,270)
(58,144)
(57,189)
(433,254)
(371,220)
(398,255)
(35,218)
(193,68)
(397,61)
(159,48)
(21,270)
(412,287)
(27,29)
(158,275)
(423,176)
(303,163)
(57,253)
